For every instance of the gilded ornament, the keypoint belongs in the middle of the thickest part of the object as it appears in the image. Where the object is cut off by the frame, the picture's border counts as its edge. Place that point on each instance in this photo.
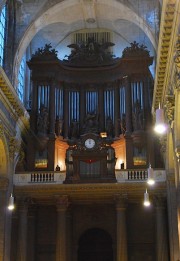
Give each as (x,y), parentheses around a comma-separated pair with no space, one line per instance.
(169,107)
(13,147)
(1,130)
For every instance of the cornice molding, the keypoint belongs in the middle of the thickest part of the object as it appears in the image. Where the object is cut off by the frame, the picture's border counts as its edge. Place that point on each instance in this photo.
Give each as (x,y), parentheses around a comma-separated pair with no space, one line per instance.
(165,57)
(169,108)
(11,96)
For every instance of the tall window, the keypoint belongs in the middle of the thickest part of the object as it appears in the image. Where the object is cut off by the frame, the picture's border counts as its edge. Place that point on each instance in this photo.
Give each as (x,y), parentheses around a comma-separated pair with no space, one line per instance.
(21,80)
(2,33)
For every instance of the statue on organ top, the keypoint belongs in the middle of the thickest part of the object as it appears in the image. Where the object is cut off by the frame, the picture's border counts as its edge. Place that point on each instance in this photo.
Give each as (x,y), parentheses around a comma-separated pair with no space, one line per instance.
(91,124)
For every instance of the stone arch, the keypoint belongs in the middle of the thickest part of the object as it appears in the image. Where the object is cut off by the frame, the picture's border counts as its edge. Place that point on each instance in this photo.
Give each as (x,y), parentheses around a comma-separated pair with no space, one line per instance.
(95,244)
(107,10)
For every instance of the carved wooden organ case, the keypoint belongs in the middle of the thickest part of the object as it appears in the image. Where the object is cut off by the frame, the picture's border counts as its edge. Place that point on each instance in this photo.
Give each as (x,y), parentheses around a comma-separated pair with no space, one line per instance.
(79,99)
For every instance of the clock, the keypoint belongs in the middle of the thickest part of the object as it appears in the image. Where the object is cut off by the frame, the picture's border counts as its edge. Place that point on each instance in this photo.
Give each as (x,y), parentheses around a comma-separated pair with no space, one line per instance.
(89,143)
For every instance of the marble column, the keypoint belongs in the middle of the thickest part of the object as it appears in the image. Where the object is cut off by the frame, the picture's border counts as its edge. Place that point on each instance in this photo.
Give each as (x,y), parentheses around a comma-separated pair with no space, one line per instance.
(22,230)
(62,204)
(32,233)
(162,253)
(69,227)
(121,231)
(3,210)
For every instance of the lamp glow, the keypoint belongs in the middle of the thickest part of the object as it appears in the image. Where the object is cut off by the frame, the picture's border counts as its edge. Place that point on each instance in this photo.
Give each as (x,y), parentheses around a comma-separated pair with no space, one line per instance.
(160,126)
(146,199)
(150,180)
(11,203)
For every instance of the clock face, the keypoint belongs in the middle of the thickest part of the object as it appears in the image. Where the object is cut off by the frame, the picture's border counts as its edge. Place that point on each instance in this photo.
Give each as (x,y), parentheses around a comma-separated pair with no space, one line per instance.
(89,143)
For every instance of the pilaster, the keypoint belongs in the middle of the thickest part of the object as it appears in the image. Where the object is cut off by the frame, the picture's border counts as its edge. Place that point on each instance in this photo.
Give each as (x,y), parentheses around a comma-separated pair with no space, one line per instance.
(121,230)
(62,205)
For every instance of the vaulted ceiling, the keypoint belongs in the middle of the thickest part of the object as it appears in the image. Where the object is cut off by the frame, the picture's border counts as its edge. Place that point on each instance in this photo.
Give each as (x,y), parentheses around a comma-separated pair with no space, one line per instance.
(44,21)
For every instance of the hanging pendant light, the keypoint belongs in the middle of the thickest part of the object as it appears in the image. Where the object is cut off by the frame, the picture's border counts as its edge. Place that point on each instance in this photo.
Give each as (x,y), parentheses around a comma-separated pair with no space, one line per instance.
(146,199)
(150,179)
(160,126)
(11,202)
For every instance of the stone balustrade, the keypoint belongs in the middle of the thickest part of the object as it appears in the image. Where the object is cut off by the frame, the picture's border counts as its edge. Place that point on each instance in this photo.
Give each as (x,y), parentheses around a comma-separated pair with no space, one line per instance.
(40,177)
(139,175)
(54,177)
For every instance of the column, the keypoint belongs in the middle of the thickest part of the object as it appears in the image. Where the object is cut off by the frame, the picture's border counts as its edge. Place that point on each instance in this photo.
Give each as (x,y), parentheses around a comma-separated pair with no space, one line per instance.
(162,253)
(121,230)
(69,227)
(32,233)
(22,230)
(3,210)
(62,204)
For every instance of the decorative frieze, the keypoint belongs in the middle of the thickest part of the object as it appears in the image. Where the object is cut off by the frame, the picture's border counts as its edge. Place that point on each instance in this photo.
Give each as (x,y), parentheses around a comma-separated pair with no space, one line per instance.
(177,151)
(178,81)
(177,55)
(169,108)
(14,146)
(163,143)
(1,130)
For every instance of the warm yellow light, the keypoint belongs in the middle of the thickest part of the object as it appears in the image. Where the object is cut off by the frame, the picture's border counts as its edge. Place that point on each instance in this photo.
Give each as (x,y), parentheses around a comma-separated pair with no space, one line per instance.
(11,203)
(146,199)
(160,128)
(150,180)
(103,134)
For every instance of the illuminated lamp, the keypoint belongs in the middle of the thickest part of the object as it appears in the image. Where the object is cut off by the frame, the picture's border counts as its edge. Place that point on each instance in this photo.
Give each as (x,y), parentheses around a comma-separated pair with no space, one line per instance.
(11,203)
(150,180)
(160,126)
(146,199)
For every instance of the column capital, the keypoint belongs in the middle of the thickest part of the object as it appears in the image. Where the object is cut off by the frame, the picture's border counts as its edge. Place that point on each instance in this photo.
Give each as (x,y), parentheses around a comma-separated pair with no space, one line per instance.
(159,202)
(62,203)
(23,203)
(177,151)
(121,201)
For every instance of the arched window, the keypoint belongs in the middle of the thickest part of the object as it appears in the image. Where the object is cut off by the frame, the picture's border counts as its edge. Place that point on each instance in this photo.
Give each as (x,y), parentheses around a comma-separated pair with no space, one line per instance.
(21,80)
(3,14)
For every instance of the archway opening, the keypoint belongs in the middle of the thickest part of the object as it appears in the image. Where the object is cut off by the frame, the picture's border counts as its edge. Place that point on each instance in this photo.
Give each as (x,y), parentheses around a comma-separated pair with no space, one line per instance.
(95,245)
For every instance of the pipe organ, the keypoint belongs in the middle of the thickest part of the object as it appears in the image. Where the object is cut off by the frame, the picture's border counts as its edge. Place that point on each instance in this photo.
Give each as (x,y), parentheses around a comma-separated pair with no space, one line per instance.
(89,94)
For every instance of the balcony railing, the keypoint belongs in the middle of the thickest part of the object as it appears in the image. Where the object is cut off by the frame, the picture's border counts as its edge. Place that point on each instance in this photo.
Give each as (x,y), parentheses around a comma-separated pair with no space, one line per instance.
(139,175)
(55,177)
(40,177)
